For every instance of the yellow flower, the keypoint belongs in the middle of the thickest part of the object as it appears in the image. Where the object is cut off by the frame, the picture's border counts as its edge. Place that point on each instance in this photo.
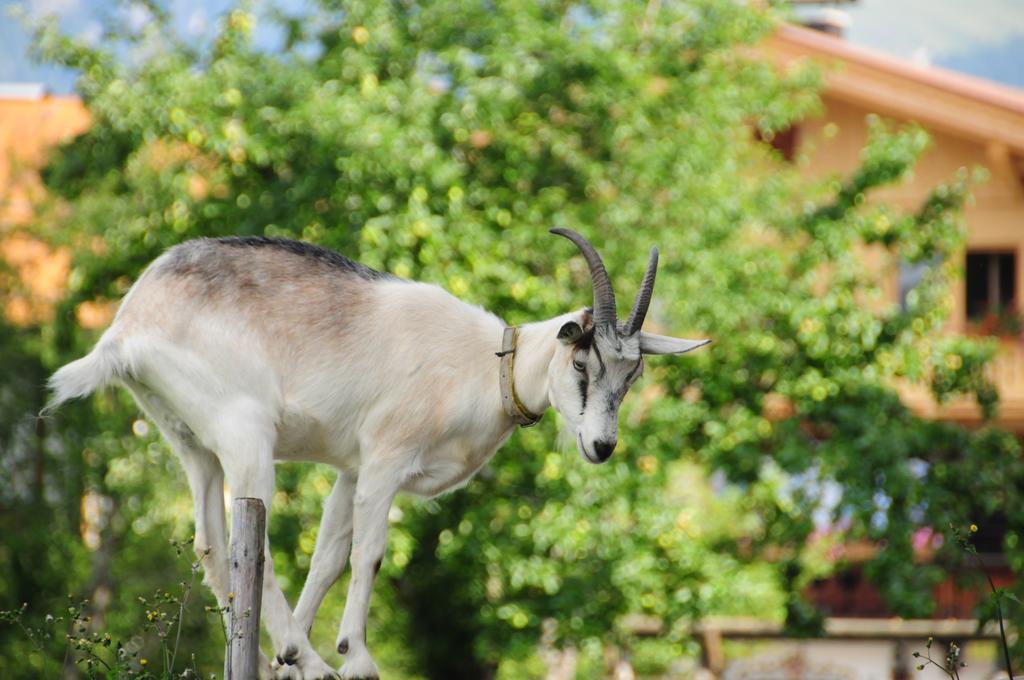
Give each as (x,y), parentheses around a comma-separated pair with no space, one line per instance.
(143,662)
(974,528)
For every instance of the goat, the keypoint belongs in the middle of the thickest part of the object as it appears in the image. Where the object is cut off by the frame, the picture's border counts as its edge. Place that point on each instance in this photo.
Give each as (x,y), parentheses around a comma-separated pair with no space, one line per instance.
(245,350)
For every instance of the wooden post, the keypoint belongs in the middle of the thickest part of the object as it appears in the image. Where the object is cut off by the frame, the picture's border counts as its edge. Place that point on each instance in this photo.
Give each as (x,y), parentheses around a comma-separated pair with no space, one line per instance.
(248,532)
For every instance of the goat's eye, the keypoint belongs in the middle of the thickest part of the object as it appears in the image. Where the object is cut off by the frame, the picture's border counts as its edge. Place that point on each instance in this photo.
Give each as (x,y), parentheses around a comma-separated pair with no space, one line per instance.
(579,365)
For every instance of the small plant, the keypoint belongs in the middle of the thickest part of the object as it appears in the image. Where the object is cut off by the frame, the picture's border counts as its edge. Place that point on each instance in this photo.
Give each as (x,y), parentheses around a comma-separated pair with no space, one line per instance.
(952,664)
(100,656)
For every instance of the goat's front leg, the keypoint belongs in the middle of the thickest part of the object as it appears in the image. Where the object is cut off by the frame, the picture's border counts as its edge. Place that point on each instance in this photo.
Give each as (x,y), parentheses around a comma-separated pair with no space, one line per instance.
(375,490)
(333,542)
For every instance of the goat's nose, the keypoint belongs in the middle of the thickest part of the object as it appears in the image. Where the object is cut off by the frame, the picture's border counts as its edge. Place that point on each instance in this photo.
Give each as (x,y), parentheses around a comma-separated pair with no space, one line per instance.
(603,450)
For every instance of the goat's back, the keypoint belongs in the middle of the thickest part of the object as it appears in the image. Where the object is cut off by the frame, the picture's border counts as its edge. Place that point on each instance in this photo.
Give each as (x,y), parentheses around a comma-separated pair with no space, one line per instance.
(294,326)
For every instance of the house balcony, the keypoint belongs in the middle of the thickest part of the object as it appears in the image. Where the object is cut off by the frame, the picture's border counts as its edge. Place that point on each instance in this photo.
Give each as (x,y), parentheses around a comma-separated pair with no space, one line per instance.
(1006,371)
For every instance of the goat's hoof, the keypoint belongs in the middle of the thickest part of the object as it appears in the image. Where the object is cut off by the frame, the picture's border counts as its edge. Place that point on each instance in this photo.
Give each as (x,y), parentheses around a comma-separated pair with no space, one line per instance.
(359,666)
(264,669)
(282,672)
(295,665)
(289,656)
(319,670)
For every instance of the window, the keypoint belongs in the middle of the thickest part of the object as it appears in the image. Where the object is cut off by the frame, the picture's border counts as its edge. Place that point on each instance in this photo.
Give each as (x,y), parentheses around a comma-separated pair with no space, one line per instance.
(991,284)
(912,274)
(783,141)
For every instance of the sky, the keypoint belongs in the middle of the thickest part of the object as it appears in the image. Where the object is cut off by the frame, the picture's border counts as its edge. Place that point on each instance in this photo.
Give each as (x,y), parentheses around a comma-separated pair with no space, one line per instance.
(980,37)
(984,38)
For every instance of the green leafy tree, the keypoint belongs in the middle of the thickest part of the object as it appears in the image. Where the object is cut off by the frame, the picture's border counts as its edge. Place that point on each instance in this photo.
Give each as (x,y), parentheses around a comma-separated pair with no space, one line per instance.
(439,141)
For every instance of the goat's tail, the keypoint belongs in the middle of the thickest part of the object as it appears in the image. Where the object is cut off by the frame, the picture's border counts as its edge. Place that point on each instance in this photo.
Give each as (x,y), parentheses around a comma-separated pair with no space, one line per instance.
(86,375)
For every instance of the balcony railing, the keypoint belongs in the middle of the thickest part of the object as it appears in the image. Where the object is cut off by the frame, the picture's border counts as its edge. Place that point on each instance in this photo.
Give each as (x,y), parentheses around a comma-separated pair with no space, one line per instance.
(1006,371)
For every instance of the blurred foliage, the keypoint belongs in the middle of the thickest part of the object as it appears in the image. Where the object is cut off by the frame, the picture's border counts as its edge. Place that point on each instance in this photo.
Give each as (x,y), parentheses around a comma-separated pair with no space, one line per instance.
(92,652)
(439,141)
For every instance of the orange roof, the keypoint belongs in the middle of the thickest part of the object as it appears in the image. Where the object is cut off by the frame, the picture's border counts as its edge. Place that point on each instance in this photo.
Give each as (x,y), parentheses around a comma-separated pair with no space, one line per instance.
(29,127)
(963,105)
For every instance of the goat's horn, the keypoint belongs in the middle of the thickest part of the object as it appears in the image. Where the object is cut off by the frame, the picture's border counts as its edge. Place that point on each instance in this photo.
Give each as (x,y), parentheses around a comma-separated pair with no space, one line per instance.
(643,296)
(604,296)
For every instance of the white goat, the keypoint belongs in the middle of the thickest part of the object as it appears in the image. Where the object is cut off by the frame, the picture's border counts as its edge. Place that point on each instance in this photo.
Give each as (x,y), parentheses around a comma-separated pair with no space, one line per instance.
(247,350)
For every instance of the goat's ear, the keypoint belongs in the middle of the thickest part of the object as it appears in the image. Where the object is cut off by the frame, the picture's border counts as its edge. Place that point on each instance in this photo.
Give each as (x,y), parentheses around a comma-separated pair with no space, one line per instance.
(662,344)
(570,333)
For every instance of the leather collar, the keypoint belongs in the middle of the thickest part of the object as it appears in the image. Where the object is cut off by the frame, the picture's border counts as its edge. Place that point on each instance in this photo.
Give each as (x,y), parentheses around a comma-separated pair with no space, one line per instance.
(510,402)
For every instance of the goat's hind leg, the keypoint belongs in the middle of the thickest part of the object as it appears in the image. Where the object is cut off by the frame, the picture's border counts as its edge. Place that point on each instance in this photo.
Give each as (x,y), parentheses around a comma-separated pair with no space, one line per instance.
(206,482)
(245,443)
